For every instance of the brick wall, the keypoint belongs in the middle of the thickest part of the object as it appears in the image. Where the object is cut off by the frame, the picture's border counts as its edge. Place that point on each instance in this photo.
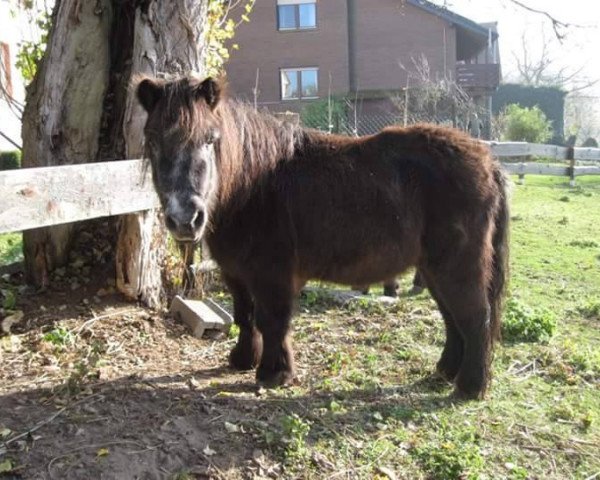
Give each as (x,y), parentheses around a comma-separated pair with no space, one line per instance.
(263,46)
(386,33)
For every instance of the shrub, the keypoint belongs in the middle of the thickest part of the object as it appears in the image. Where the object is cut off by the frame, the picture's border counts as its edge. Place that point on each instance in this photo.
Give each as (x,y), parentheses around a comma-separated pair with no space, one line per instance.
(590,143)
(526,324)
(10,160)
(316,115)
(522,124)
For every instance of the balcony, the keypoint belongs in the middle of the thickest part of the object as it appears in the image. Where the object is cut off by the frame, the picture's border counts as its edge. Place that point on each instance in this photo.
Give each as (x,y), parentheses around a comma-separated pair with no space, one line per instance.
(482,76)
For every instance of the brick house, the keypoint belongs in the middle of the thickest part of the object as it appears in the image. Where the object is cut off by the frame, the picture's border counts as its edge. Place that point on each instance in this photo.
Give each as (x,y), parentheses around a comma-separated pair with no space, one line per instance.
(297,51)
(14,28)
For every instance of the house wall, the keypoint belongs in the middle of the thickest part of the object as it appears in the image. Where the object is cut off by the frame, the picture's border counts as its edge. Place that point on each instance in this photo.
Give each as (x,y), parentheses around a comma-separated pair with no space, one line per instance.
(389,34)
(10,34)
(262,46)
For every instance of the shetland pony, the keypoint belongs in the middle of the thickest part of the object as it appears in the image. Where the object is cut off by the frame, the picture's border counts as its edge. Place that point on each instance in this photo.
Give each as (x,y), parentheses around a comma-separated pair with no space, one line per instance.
(278,205)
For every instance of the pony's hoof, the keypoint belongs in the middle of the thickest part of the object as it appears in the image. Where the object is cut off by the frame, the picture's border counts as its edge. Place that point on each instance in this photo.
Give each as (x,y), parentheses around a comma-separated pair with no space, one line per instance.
(270,379)
(446,372)
(466,395)
(469,390)
(242,359)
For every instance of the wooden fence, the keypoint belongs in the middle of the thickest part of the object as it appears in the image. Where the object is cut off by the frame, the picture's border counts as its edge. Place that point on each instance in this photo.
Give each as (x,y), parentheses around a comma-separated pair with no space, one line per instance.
(553,153)
(40,197)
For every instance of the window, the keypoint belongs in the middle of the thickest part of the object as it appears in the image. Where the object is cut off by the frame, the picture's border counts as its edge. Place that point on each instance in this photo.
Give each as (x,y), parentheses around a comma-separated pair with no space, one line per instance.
(297,83)
(296,14)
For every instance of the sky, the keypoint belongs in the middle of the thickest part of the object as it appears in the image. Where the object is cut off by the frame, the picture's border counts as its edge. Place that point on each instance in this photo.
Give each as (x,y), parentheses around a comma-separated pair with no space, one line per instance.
(581,46)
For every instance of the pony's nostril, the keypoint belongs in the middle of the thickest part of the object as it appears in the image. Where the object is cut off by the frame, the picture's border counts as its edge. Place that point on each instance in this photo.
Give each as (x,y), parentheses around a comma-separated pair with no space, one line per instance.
(198,220)
(170,222)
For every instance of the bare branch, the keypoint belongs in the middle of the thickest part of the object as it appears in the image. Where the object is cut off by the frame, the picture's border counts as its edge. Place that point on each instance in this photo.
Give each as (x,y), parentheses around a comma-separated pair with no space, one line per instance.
(543,70)
(557,25)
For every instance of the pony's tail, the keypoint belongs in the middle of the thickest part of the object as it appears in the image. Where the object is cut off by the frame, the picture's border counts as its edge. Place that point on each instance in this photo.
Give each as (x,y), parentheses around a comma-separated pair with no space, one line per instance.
(500,241)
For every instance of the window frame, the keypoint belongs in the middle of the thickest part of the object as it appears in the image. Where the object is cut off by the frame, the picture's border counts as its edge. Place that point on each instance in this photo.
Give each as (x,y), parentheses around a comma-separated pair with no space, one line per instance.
(296,27)
(298,71)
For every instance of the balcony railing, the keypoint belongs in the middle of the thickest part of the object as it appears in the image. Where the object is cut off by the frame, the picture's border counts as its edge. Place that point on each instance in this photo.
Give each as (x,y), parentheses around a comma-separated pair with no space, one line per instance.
(483,75)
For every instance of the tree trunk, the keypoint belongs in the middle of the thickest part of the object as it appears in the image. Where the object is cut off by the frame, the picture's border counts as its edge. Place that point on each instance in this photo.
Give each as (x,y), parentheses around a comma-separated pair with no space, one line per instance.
(81,108)
(62,114)
(168,39)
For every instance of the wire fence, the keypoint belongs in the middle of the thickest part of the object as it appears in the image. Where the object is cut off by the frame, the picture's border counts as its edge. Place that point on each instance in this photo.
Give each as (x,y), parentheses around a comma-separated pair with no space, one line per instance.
(366,123)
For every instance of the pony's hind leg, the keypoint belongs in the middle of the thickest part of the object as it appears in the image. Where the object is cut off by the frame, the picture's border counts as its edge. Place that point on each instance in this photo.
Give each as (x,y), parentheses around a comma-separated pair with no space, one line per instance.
(272,313)
(464,305)
(452,355)
(248,350)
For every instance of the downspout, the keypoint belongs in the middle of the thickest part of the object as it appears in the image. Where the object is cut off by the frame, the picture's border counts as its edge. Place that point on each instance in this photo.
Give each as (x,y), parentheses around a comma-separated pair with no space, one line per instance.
(352,81)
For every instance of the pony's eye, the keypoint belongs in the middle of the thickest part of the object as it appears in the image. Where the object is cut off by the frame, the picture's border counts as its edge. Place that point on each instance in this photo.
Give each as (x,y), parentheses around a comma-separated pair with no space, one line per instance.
(213,135)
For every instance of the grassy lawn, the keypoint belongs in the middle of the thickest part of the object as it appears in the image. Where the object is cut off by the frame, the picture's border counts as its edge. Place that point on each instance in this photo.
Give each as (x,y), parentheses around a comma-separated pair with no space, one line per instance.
(10,248)
(381,413)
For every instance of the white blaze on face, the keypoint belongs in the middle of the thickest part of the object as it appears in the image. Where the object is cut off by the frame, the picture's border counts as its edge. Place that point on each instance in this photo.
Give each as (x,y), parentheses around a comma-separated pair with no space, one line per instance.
(206,154)
(174,206)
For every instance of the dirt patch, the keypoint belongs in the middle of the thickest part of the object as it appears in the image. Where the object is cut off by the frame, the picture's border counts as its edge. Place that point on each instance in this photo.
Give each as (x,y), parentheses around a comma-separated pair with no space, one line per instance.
(96,387)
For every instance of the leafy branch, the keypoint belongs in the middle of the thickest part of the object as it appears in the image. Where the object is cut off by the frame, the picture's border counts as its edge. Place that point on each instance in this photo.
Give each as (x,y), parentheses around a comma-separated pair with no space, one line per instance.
(221,28)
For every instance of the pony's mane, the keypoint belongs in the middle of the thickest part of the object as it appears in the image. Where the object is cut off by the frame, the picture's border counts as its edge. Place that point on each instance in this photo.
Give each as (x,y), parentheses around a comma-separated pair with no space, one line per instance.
(252,144)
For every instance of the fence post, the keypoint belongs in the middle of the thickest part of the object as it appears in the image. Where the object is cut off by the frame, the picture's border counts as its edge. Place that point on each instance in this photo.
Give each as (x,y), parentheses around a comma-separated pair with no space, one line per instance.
(571,158)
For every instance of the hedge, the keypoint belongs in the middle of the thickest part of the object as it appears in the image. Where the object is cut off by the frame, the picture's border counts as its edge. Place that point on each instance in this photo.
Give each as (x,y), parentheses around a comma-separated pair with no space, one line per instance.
(10,160)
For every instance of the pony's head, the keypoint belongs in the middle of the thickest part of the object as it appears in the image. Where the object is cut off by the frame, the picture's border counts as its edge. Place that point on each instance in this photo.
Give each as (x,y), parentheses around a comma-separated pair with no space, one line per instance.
(181,131)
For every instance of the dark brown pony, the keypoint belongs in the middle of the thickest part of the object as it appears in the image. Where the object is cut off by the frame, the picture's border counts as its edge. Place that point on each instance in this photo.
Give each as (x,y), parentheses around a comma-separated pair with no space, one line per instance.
(279,205)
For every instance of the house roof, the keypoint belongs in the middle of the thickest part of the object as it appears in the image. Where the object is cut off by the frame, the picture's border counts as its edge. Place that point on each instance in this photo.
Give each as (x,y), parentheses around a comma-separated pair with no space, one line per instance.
(452,17)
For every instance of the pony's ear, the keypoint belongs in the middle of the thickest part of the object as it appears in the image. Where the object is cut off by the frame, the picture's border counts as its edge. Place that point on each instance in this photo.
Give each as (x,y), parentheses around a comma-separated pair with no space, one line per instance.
(149,92)
(210,90)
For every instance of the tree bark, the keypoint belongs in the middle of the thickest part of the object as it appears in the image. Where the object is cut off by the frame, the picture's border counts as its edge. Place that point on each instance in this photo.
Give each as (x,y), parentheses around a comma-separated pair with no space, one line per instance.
(81,108)
(62,114)
(168,40)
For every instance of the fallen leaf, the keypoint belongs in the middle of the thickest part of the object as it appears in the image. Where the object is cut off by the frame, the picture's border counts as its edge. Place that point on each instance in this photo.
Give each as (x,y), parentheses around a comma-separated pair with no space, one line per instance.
(103,452)
(9,321)
(322,461)
(388,472)
(209,452)
(231,427)
(194,384)
(4,432)
(6,466)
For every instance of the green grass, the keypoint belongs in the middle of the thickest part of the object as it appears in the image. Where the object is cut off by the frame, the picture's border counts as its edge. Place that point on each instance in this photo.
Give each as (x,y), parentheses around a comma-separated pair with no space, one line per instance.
(10,248)
(372,404)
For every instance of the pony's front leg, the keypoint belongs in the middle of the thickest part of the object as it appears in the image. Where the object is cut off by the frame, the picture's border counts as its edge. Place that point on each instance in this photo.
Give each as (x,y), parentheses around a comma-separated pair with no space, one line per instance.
(272,313)
(248,349)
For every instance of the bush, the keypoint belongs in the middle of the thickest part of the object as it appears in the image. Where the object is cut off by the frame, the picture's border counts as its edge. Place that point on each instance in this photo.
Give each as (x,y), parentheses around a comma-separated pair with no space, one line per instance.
(522,124)
(525,324)
(10,160)
(590,143)
(316,115)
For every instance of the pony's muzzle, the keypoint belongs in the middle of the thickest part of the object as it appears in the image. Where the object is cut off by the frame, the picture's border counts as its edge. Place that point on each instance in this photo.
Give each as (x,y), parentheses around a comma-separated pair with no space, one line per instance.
(185,220)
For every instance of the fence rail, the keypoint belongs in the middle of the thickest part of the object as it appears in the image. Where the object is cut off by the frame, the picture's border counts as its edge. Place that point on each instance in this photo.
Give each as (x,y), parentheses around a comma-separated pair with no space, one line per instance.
(40,197)
(550,152)
(524,149)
